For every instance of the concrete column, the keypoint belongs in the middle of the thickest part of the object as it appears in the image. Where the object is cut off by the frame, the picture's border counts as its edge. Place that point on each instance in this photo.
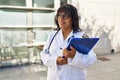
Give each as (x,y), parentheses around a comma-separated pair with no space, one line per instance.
(30,35)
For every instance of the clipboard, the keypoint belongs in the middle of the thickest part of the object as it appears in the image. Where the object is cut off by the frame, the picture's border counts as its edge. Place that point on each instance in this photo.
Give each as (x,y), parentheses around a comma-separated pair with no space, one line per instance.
(83,45)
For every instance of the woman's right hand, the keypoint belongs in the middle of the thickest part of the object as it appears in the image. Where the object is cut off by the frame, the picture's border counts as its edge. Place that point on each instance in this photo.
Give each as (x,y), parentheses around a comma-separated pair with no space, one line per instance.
(61,60)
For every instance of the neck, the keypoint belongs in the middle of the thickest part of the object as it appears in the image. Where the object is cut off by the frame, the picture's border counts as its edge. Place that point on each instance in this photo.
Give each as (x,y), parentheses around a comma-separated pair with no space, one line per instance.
(66,32)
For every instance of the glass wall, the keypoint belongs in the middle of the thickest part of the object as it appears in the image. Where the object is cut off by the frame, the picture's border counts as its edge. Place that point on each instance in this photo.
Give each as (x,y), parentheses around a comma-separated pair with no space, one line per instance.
(12,17)
(43,17)
(13,45)
(63,2)
(43,3)
(11,37)
(13,2)
(41,35)
(25,25)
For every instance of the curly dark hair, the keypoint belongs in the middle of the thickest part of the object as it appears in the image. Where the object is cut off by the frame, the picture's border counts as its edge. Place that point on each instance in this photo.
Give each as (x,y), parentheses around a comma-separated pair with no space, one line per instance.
(72,12)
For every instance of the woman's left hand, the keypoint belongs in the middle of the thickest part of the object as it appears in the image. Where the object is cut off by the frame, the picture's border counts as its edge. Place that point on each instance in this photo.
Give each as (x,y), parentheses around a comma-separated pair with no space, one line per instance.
(69,53)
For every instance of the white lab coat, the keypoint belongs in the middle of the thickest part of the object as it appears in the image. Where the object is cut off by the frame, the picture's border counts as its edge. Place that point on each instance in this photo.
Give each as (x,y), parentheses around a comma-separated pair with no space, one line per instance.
(76,67)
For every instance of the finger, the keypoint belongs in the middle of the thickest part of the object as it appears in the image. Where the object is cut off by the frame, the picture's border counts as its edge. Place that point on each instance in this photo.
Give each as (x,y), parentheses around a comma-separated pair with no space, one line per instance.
(65,62)
(72,48)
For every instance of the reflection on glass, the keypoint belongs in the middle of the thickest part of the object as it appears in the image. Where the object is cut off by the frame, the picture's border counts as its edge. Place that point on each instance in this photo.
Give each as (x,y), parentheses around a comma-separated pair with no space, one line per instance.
(41,35)
(11,37)
(36,51)
(43,18)
(14,53)
(13,45)
(62,2)
(13,2)
(43,3)
(20,52)
(12,17)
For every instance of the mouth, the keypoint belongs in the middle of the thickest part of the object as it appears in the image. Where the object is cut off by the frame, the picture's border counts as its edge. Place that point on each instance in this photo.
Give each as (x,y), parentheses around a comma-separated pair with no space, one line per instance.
(62,23)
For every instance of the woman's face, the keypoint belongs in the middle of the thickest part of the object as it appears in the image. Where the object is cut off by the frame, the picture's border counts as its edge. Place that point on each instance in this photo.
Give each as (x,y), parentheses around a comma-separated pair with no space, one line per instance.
(64,21)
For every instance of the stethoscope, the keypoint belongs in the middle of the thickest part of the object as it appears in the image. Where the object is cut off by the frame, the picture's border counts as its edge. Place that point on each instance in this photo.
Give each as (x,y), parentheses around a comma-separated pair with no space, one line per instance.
(54,37)
(70,38)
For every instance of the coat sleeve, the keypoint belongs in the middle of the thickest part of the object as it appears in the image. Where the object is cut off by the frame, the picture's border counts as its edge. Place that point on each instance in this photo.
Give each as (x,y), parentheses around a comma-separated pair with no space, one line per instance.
(46,57)
(82,61)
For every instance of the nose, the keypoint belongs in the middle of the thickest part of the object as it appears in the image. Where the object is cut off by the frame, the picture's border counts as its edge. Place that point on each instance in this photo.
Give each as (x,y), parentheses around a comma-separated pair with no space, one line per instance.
(61,19)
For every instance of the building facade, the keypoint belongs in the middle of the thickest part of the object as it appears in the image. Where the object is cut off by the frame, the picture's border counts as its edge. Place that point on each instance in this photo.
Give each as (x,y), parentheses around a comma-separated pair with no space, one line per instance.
(25,24)
(101,18)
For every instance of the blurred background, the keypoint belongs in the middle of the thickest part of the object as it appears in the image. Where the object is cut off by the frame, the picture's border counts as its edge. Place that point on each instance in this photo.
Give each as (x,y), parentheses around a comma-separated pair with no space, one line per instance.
(25,25)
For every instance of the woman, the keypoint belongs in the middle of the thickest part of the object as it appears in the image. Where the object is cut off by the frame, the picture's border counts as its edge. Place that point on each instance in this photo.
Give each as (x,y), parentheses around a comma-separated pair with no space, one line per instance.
(65,64)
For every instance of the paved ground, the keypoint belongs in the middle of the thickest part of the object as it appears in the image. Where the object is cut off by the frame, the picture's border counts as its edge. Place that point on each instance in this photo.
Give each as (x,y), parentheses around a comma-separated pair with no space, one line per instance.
(25,72)
(109,69)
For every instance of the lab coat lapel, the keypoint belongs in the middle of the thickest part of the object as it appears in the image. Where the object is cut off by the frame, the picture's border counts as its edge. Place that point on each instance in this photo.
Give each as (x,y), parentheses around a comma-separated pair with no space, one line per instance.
(65,42)
(69,36)
(62,38)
